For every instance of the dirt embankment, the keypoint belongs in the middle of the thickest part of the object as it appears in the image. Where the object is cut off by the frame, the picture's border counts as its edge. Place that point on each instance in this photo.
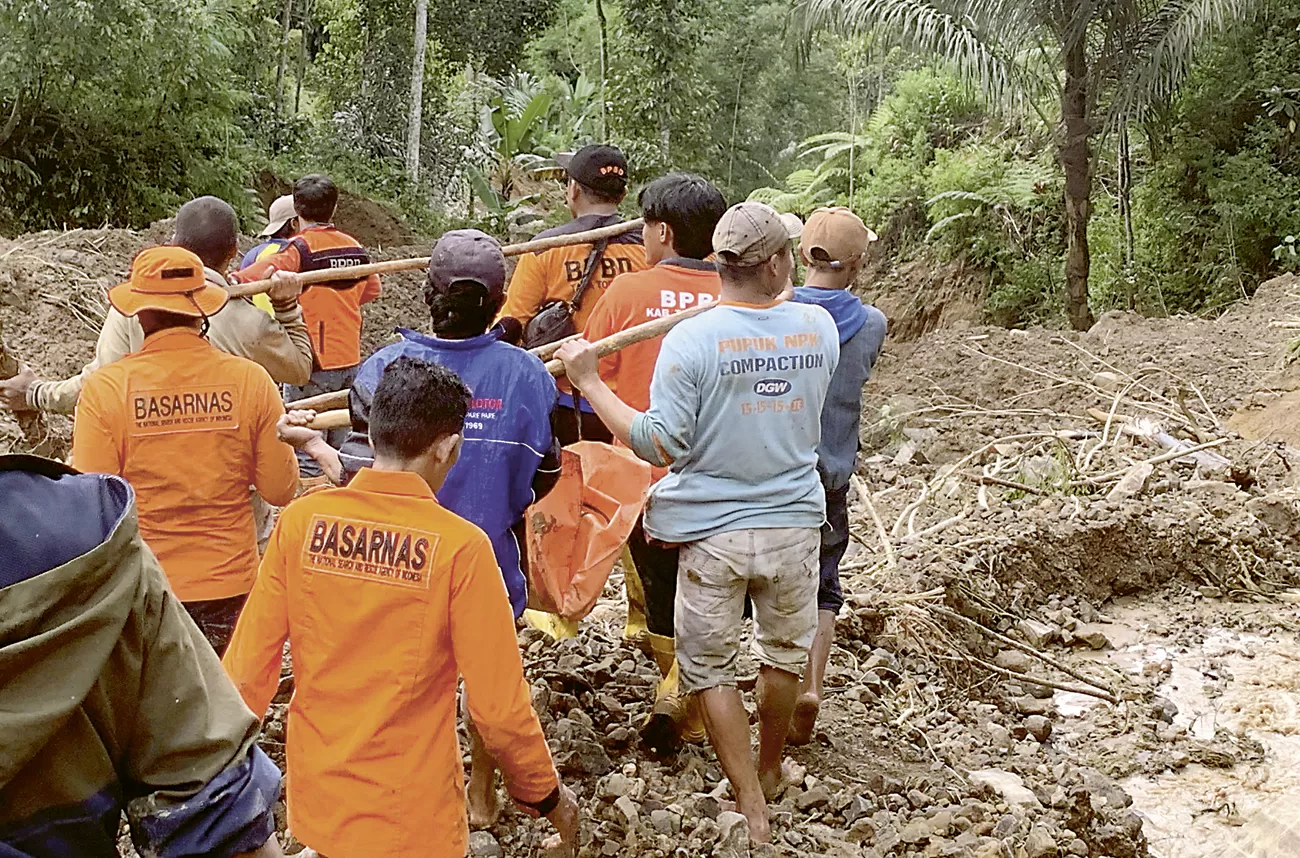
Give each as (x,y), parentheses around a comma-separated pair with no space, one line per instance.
(52,301)
(372,224)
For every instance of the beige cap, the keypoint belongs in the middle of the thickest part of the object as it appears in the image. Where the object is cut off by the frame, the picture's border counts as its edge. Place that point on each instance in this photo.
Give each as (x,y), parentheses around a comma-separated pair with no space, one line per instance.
(280,213)
(750,233)
(834,237)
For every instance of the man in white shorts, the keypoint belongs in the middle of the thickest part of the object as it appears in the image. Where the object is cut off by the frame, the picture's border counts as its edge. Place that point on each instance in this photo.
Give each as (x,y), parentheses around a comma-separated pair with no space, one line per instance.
(735,410)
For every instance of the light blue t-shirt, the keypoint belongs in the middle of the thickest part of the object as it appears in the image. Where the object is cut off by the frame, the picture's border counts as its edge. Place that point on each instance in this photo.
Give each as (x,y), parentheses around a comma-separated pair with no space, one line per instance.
(735,411)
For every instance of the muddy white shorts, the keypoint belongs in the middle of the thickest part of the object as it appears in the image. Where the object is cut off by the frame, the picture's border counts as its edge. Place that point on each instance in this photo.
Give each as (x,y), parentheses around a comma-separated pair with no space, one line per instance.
(778,569)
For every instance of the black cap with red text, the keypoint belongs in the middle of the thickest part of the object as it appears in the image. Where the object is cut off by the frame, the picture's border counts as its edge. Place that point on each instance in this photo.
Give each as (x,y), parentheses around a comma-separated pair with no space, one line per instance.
(600,167)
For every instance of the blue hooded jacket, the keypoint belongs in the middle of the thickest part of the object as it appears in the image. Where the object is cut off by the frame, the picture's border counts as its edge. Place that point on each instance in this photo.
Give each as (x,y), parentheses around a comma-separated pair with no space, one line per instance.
(507,434)
(862,331)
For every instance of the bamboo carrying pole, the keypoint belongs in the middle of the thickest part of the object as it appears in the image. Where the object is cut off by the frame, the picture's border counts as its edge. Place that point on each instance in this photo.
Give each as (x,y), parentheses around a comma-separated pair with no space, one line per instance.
(340,418)
(355,272)
(339,398)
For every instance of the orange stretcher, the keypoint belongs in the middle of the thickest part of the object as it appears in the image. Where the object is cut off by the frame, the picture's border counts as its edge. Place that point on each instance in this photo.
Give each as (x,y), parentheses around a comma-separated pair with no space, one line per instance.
(576,533)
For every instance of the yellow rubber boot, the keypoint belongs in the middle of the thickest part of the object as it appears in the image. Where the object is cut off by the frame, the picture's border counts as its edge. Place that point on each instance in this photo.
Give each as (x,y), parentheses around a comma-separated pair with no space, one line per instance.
(676,717)
(692,729)
(636,629)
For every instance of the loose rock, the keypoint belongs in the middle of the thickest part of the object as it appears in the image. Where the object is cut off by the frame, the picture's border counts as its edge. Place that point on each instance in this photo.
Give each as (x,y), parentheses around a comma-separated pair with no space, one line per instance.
(483,845)
(733,837)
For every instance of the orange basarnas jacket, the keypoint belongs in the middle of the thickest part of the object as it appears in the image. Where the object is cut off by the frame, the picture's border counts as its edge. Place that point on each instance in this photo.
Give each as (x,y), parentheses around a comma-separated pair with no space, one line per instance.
(385,598)
(332,310)
(191,428)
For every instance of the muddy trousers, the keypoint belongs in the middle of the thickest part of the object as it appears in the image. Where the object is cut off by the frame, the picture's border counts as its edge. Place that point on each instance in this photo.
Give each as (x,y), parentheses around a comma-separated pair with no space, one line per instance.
(650,576)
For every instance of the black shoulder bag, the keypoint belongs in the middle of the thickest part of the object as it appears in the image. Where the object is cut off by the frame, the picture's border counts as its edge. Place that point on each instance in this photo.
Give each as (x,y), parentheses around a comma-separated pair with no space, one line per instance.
(555,320)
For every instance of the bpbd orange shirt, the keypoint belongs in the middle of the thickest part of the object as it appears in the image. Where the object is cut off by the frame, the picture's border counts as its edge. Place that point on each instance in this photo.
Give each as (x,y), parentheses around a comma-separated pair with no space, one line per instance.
(332,310)
(191,428)
(673,285)
(553,275)
(386,597)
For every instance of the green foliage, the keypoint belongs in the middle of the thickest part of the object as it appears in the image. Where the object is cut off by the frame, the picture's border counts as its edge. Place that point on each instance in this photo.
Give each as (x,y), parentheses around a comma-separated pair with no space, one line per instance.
(936,120)
(1220,195)
(103,119)
(987,192)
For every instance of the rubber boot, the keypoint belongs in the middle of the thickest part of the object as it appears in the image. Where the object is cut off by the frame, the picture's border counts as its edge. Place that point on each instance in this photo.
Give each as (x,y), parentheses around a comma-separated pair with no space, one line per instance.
(676,717)
(637,628)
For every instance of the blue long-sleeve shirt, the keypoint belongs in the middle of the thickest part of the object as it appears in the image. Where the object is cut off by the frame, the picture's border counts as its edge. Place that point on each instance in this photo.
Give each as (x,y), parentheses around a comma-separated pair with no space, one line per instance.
(507,434)
(735,412)
(862,331)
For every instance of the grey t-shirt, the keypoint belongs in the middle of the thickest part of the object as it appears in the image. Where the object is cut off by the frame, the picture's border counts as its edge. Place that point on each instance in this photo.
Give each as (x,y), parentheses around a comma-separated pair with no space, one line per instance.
(735,412)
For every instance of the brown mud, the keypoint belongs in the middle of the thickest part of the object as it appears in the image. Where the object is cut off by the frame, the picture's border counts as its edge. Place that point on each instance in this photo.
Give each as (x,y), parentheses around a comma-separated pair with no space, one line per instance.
(992,491)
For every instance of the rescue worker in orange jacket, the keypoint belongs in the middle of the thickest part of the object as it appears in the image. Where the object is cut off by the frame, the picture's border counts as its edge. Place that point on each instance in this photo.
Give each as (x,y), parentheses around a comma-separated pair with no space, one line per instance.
(191,428)
(332,310)
(542,282)
(385,597)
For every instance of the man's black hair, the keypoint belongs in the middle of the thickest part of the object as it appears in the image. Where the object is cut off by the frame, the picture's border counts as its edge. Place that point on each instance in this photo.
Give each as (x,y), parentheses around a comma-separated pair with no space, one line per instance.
(416,404)
(152,321)
(600,196)
(462,311)
(208,228)
(690,204)
(315,197)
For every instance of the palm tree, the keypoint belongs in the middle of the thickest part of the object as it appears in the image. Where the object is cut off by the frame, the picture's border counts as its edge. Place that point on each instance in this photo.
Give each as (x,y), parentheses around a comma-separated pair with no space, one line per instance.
(1107,62)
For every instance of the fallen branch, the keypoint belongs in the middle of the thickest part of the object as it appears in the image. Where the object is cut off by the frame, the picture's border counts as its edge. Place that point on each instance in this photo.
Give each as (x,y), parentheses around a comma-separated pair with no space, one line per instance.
(861,488)
(1154,460)
(1147,430)
(356,272)
(1015,644)
(985,479)
(1038,680)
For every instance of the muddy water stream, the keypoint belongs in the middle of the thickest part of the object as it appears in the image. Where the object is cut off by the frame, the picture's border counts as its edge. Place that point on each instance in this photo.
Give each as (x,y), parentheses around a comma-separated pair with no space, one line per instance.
(1235,681)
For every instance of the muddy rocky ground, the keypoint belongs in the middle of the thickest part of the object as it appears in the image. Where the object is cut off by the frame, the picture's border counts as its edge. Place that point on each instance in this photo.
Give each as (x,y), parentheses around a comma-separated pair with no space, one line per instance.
(1008,511)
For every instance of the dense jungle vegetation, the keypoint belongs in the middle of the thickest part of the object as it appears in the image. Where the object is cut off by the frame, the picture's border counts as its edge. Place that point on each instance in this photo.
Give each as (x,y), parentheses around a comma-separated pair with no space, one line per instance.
(1080,155)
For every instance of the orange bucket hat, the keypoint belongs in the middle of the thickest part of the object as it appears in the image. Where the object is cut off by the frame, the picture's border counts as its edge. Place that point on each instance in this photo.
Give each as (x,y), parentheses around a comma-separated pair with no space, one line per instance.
(171,279)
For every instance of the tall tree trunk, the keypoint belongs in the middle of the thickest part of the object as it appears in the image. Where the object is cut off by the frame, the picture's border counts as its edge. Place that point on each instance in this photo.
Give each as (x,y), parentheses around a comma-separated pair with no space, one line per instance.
(604,71)
(416,116)
(1076,161)
(285,14)
(302,57)
(1124,170)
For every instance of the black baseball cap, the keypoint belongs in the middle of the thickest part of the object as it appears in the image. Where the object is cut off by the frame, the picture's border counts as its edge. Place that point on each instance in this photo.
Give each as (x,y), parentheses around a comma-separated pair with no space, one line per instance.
(600,167)
(468,254)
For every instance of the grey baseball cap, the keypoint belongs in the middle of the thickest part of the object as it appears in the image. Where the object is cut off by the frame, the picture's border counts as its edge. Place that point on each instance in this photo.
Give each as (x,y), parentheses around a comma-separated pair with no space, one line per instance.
(468,254)
(750,233)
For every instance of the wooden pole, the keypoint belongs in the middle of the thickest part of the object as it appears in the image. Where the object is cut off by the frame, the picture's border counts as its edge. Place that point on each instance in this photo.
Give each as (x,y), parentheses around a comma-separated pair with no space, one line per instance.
(339,398)
(356,272)
(339,419)
(636,334)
